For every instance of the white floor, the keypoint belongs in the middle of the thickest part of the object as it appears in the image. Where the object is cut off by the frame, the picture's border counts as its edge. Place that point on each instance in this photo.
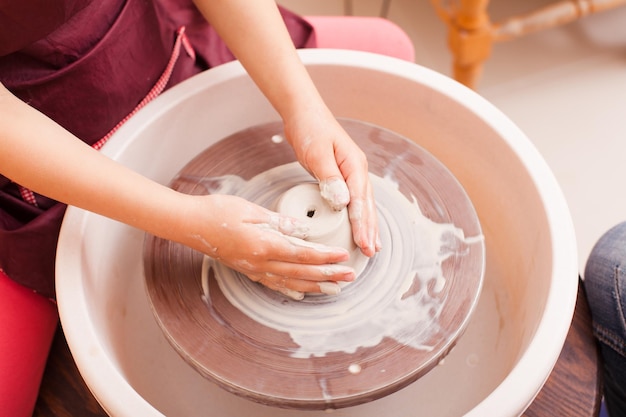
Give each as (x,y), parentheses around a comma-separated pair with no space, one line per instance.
(564,87)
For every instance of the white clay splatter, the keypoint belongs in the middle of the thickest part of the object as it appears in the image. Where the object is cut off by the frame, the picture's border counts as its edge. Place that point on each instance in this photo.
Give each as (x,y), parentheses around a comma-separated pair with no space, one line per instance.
(289,226)
(397,296)
(472,360)
(354,369)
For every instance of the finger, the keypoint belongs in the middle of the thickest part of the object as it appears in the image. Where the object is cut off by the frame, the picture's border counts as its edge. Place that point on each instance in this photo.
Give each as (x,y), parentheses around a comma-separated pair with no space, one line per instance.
(294,287)
(357,194)
(311,273)
(293,294)
(323,164)
(364,222)
(279,247)
(362,209)
(293,257)
(299,251)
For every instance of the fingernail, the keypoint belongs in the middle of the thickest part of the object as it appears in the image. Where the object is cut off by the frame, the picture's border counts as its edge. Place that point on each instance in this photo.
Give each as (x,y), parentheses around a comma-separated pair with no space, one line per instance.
(293,294)
(329,288)
(367,247)
(328,270)
(372,242)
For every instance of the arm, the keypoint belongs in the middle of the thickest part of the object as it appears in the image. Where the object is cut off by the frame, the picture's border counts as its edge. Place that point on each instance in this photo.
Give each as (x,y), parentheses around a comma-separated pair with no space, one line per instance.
(256,34)
(41,155)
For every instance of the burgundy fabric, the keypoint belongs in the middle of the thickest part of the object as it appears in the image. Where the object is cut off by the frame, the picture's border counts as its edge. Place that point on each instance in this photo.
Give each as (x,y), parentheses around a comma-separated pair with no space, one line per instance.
(86,64)
(25,22)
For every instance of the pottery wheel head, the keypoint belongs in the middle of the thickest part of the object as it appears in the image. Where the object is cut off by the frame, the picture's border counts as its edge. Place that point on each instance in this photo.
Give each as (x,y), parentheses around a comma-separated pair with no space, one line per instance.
(402,315)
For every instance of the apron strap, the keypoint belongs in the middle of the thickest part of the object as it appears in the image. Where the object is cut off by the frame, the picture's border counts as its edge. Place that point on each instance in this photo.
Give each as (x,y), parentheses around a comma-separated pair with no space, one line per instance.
(181,41)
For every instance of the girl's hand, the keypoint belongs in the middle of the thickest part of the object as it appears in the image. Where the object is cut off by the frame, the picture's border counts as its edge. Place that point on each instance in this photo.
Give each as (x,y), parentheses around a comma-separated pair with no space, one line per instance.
(325,149)
(265,246)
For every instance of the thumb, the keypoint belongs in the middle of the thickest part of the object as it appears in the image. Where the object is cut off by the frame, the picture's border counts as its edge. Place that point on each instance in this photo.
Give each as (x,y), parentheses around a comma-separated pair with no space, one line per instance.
(333,187)
(335,191)
(321,160)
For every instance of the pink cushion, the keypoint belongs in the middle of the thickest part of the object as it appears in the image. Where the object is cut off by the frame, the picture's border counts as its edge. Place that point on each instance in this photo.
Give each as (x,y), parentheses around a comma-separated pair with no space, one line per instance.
(28,323)
(362,33)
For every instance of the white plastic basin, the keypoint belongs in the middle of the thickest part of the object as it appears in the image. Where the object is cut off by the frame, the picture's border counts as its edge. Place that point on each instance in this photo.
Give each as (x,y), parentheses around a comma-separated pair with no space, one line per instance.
(529,292)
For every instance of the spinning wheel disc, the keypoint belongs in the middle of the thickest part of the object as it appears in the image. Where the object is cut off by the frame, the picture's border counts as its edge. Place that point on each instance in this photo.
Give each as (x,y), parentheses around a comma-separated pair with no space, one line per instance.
(400,317)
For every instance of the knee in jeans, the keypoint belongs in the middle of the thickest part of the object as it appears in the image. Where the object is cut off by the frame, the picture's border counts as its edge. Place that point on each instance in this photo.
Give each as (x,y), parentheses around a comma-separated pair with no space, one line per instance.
(607,257)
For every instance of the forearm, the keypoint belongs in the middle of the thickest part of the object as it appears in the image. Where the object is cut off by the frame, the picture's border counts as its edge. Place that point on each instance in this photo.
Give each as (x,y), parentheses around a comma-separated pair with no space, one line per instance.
(256,34)
(39,154)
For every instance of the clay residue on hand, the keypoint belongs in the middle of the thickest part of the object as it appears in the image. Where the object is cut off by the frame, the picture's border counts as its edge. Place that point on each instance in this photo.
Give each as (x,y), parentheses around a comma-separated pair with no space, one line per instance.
(335,192)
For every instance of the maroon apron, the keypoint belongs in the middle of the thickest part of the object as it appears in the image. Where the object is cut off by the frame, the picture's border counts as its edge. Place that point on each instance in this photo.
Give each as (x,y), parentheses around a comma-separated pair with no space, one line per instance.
(88,64)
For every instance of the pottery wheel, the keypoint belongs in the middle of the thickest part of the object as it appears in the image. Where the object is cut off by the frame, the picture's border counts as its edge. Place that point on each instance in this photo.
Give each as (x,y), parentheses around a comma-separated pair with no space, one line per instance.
(401,316)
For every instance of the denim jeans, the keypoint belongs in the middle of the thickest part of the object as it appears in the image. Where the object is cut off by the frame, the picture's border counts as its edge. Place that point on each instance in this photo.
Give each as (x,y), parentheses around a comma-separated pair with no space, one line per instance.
(605,284)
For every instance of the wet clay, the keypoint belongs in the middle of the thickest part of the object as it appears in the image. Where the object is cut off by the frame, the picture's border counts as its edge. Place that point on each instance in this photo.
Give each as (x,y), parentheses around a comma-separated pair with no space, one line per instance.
(326,224)
(396,294)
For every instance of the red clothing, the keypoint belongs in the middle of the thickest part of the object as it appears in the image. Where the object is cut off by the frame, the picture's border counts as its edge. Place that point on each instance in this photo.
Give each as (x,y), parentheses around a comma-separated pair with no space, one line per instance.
(86,64)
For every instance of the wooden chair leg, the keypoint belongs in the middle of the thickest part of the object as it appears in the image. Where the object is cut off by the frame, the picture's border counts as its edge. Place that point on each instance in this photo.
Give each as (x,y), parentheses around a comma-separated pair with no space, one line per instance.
(471,34)
(384,8)
(470,40)
(467,75)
